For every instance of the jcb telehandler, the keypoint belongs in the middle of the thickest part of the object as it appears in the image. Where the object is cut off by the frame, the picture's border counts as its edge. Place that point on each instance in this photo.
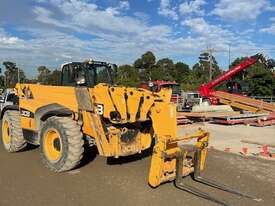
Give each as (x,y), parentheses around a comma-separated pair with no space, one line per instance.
(120,121)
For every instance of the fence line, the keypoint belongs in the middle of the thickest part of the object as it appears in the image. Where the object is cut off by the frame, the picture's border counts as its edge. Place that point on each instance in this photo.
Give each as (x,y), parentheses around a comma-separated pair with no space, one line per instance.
(270,99)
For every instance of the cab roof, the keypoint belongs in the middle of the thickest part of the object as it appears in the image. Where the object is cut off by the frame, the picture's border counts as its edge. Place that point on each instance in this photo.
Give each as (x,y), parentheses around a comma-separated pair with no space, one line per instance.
(88,61)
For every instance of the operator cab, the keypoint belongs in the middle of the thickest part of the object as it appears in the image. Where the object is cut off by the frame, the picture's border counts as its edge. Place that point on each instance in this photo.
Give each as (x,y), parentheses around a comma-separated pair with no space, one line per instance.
(89,73)
(237,87)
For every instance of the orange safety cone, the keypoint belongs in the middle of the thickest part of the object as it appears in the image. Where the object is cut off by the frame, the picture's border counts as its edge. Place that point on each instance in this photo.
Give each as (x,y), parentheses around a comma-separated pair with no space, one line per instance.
(265,151)
(227,149)
(244,150)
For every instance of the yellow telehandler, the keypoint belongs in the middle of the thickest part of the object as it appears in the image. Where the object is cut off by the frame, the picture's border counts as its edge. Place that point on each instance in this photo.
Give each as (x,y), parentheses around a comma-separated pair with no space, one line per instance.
(87,107)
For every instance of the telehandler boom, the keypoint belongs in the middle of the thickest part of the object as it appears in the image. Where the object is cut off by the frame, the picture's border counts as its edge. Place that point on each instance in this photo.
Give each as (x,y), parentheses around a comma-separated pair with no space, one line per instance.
(88,108)
(208,91)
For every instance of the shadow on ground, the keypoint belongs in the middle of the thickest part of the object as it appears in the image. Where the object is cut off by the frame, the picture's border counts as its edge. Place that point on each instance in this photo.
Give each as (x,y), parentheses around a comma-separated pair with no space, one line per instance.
(130,158)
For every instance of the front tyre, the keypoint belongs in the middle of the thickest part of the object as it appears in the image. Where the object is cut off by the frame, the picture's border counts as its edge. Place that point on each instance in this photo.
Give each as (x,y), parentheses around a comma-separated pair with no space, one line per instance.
(12,134)
(61,144)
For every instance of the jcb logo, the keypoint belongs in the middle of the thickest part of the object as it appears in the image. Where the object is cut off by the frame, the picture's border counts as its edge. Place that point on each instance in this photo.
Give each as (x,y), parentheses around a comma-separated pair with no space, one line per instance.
(100,109)
(25,113)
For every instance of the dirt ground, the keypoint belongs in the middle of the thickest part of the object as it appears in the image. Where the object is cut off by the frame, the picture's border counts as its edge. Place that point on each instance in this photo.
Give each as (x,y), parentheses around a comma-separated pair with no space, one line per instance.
(224,137)
(25,181)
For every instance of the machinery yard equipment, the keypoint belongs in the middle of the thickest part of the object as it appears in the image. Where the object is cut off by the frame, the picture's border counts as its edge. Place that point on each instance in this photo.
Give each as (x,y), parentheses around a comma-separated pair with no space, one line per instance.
(7,98)
(184,100)
(236,100)
(158,85)
(120,121)
(239,101)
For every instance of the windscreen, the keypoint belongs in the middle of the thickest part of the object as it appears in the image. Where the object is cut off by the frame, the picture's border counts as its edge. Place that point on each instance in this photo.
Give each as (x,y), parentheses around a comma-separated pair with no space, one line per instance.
(99,74)
(103,75)
(87,74)
(193,96)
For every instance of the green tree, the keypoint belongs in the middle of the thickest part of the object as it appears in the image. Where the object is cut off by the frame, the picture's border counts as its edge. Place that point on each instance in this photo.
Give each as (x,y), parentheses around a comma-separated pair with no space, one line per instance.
(163,70)
(43,75)
(55,77)
(260,79)
(11,74)
(22,76)
(200,72)
(145,64)
(127,75)
(182,74)
(261,84)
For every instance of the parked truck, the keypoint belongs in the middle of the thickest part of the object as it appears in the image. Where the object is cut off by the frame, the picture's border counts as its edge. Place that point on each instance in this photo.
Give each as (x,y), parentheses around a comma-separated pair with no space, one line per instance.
(7,98)
(183,99)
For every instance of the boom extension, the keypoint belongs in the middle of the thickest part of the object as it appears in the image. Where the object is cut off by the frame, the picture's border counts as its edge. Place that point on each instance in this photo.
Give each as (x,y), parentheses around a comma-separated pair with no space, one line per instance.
(206,90)
(236,100)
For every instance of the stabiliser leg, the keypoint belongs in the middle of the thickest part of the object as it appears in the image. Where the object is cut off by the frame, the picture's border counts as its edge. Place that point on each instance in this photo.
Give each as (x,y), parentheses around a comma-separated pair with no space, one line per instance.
(198,178)
(187,188)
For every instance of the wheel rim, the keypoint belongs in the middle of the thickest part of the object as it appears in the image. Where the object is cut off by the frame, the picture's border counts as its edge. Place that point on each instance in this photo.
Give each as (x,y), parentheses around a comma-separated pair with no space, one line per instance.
(6,132)
(52,145)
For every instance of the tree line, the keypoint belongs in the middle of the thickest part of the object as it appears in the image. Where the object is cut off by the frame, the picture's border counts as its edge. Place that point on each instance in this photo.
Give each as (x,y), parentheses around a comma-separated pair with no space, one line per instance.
(259,80)
(11,77)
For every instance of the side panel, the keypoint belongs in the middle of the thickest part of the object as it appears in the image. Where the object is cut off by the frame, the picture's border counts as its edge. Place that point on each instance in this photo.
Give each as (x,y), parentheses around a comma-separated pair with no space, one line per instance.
(100,95)
(164,119)
(28,123)
(44,95)
(50,110)
(131,104)
(33,97)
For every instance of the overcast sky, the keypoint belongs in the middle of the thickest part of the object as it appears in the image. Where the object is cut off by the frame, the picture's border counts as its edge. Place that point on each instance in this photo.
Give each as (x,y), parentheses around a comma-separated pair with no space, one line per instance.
(50,32)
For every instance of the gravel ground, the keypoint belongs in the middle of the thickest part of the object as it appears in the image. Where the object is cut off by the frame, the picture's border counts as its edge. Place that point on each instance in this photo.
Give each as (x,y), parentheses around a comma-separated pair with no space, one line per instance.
(24,181)
(225,136)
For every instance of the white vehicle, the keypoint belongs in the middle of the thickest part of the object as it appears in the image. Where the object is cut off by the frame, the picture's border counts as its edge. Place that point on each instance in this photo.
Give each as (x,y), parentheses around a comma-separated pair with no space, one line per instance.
(7,98)
(190,99)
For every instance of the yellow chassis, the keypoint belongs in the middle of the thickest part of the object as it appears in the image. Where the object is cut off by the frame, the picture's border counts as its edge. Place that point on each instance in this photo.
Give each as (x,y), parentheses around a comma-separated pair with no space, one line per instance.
(119,106)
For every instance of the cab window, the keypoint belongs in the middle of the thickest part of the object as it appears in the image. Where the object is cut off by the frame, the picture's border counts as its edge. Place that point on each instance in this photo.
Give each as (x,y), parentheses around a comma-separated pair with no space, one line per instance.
(102,74)
(68,76)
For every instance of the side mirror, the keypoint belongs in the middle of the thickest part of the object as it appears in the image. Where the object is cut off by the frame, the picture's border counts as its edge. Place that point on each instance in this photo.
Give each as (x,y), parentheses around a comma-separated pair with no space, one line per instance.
(80,81)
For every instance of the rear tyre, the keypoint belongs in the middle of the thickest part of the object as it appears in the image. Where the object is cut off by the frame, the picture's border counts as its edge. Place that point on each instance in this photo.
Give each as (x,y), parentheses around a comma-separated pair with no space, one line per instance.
(61,144)
(12,134)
